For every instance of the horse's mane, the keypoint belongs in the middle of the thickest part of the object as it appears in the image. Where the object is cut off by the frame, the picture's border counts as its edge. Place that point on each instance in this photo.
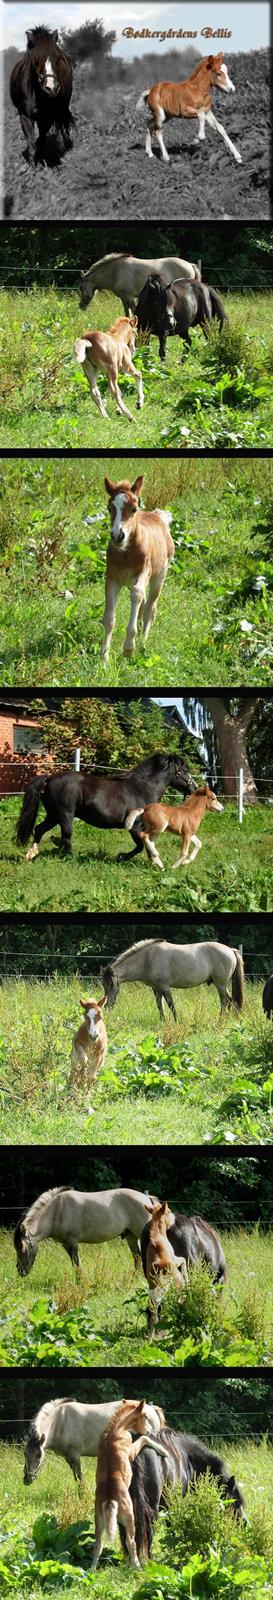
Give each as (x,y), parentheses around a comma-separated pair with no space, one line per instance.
(113,255)
(141,944)
(45,1198)
(43,1414)
(40,33)
(116,1418)
(207,1226)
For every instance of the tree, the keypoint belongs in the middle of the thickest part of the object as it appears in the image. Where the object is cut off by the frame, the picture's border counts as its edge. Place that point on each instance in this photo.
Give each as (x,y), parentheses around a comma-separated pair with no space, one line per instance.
(231,728)
(88,42)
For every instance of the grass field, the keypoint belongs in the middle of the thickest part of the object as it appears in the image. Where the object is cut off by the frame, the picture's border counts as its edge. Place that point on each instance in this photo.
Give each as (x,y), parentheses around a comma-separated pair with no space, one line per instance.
(232,872)
(98,1318)
(221,395)
(27,1511)
(162,1083)
(53,570)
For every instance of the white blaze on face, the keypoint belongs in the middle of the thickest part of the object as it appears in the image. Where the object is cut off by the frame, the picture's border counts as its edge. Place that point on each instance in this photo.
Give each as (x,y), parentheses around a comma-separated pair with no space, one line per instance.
(49,75)
(92,1024)
(119,534)
(224,81)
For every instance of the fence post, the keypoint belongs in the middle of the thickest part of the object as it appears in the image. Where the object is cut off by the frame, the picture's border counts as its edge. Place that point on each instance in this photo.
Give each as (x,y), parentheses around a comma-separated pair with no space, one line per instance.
(77,758)
(240,794)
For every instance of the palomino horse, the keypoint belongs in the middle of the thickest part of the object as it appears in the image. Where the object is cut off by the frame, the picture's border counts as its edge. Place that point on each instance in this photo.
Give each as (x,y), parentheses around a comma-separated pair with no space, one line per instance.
(125,275)
(116,1453)
(182,820)
(112,351)
(71,1430)
(138,556)
(187,1458)
(41,88)
(102,800)
(193,98)
(190,1239)
(183,966)
(71,1217)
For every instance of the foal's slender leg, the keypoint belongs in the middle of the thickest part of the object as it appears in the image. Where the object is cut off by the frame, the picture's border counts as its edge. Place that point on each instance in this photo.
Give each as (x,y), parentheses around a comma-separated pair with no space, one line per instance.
(137,600)
(212,120)
(160,118)
(99,1532)
(112,591)
(155,587)
(201,127)
(185,859)
(91,375)
(148,144)
(128,366)
(115,391)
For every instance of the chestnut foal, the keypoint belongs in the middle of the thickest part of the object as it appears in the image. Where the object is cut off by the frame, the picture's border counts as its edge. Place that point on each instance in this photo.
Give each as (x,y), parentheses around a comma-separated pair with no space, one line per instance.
(184,820)
(116,1453)
(161,1261)
(191,98)
(112,351)
(89,1046)
(138,557)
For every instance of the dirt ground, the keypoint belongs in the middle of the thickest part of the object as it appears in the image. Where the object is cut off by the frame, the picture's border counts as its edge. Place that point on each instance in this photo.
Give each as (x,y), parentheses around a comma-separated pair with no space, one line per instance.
(106,174)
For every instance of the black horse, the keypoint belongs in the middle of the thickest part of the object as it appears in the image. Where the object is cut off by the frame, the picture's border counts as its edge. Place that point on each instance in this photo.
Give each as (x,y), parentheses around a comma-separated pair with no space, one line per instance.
(177,308)
(267,998)
(186,1458)
(101,800)
(41,88)
(194,1240)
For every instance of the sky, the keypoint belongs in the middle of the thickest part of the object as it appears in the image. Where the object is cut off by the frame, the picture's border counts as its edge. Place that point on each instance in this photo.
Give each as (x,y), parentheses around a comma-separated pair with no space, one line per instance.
(248,23)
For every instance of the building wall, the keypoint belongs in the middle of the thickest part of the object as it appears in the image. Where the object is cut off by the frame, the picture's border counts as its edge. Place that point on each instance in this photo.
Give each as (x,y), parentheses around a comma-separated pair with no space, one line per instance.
(18,770)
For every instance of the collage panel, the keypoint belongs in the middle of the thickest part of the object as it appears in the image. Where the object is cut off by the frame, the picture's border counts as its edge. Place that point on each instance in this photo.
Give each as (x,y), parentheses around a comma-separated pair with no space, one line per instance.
(136,737)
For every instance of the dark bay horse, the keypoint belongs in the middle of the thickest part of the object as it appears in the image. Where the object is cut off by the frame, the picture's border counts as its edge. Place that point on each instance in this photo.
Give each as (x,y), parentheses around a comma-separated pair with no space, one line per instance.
(192,1239)
(186,1458)
(101,800)
(41,88)
(177,307)
(267,997)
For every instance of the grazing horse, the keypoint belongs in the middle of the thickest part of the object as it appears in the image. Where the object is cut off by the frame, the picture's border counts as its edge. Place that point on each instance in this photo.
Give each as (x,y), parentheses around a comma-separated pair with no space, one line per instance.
(72,1429)
(138,556)
(192,98)
(182,820)
(41,88)
(125,275)
(116,1453)
(187,1458)
(71,1216)
(113,352)
(184,966)
(177,307)
(267,998)
(103,801)
(190,1239)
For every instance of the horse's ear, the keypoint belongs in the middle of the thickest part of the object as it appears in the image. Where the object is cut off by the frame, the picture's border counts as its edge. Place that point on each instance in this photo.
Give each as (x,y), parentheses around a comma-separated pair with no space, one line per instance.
(137,485)
(30,39)
(142,1403)
(85,1003)
(210,62)
(82,274)
(109,485)
(55,36)
(41,1438)
(232,1482)
(102,1002)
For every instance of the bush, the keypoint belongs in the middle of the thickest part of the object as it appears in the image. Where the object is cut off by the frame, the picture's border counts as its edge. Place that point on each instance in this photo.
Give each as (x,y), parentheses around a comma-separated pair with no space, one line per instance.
(196,1521)
(200,1308)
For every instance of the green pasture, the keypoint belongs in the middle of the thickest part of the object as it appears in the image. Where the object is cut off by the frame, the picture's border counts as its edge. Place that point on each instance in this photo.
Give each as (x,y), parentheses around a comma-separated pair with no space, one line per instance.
(98,1317)
(48,1530)
(232,872)
(220,395)
(212,626)
(162,1083)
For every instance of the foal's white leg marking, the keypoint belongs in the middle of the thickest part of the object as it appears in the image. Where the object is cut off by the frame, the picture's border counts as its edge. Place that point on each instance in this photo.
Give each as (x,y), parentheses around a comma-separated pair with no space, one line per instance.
(185,859)
(91,375)
(128,366)
(201,127)
(111,597)
(211,119)
(117,396)
(160,141)
(148,144)
(153,853)
(32,852)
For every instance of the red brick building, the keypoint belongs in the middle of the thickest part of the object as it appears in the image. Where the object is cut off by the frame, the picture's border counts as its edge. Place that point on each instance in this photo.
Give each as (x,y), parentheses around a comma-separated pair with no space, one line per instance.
(23,747)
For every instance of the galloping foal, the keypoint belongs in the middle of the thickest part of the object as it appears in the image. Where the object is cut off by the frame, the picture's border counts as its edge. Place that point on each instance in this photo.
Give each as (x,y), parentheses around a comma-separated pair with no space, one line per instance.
(116,1453)
(189,99)
(183,820)
(113,351)
(138,557)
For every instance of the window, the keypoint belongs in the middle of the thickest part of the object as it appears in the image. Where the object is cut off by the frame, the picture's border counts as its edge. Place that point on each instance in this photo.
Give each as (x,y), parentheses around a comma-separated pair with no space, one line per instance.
(27,741)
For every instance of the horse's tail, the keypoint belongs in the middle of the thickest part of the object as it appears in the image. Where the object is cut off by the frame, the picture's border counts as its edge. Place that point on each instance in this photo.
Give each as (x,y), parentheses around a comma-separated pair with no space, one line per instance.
(29,810)
(110,1516)
(144,1517)
(141,102)
(238,981)
(218,310)
(81,347)
(132,817)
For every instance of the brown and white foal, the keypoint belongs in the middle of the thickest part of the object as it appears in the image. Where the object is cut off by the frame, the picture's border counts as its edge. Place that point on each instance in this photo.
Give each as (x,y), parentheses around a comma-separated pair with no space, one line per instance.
(138,557)
(160,1260)
(112,351)
(191,98)
(89,1046)
(116,1453)
(184,820)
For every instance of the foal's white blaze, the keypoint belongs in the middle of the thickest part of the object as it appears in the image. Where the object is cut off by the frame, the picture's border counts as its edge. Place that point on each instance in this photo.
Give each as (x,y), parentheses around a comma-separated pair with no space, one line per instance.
(224,81)
(49,74)
(118,532)
(92,1030)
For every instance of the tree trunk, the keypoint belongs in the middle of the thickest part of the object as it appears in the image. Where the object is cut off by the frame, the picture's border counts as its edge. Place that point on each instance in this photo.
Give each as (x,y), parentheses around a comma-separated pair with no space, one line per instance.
(230,732)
